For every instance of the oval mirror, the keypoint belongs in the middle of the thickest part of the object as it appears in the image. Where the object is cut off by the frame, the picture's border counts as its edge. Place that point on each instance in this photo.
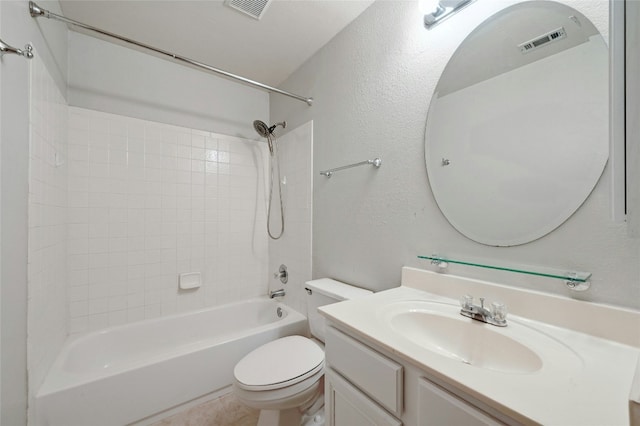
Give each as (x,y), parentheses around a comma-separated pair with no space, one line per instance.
(517,130)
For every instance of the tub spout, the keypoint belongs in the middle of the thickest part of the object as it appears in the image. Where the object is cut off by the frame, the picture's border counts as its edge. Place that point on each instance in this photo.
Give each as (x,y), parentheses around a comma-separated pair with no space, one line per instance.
(276,293)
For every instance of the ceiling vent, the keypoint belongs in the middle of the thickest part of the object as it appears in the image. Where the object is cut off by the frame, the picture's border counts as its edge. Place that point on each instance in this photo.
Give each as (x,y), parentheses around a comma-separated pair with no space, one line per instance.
(554,35)
(253,8)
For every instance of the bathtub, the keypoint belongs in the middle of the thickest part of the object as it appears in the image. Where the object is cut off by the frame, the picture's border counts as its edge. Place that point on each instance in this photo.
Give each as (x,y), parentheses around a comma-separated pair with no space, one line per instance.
(124,374)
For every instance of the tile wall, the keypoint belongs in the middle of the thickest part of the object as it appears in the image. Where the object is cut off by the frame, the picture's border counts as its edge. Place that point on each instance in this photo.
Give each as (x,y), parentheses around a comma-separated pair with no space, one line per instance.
(148,201)
(294,247)
(47,247)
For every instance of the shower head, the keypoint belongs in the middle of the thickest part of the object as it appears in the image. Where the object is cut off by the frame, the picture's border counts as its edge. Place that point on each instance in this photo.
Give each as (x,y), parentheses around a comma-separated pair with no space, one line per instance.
(265,131)
(261,128)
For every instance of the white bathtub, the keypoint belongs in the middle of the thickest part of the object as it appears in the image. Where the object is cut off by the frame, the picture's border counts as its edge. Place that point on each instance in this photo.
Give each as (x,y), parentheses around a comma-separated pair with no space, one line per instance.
(123,374)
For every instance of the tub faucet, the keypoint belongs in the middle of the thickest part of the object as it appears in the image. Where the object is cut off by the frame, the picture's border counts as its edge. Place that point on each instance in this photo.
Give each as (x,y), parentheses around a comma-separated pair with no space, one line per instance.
(276,293)
(496,316)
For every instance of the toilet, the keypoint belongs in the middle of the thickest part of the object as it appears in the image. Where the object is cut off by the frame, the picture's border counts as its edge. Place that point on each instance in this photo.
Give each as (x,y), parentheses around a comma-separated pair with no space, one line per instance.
(284,378)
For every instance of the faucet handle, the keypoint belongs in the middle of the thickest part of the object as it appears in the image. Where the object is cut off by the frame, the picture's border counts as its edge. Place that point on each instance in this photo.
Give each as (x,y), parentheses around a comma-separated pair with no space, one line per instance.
(466,302)
(282,274)
(499,311)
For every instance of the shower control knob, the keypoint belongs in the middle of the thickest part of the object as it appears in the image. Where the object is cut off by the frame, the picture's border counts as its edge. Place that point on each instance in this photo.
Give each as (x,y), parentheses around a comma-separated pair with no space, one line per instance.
(282,274)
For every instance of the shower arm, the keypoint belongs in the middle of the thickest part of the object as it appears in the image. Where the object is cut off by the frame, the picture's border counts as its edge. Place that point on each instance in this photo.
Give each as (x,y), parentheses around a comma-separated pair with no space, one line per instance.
(37,11)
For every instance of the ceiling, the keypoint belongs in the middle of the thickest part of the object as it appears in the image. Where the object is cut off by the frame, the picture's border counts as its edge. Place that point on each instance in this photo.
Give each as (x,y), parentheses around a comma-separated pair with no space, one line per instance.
(268,50)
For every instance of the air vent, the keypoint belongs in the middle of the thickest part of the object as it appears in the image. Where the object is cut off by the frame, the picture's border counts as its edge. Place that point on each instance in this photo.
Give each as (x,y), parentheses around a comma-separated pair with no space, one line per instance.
(253,8)
(541,41)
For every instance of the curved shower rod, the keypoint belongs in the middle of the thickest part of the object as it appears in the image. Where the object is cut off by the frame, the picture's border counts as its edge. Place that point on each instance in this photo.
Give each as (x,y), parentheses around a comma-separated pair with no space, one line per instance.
(37,11)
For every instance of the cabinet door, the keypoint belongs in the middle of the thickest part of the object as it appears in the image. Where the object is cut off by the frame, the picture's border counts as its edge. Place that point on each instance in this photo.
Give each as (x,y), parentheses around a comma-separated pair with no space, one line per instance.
(439,407)
(346,406)
(356,362)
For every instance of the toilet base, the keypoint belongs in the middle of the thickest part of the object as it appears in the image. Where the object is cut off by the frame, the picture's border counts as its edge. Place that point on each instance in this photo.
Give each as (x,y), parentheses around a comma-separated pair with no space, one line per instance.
(310,415)
(313,419)
(290,417)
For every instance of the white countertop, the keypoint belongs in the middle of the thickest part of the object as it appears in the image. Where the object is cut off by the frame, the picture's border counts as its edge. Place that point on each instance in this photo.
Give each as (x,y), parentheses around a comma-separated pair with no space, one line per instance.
(585,379)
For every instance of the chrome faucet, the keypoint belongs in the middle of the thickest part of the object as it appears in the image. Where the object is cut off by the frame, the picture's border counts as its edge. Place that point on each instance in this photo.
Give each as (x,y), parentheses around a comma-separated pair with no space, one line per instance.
(496,316)
(276,293)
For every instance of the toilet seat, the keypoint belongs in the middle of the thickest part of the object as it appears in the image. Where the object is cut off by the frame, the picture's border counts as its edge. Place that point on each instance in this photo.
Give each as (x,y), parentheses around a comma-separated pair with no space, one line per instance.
(279,363)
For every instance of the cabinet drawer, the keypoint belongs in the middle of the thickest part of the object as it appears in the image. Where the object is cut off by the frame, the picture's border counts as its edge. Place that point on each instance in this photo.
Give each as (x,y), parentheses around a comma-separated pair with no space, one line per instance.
(373,373)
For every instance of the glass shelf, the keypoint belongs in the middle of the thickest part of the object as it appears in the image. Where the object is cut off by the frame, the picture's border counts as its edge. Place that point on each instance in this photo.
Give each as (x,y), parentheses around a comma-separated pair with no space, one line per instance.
(578,281)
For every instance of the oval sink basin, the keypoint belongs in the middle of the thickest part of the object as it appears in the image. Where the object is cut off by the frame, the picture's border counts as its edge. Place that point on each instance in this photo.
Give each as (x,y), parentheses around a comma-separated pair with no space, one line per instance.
(441,329)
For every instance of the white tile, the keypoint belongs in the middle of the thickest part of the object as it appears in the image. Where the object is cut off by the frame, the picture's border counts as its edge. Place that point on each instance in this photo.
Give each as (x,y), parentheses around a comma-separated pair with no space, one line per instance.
(78,308)
(98,306)
(117,318)
(119,259)
(135,145)
(98,260)
(156,202)
(153,147)
(135,314)
(77,277)
(198,140)
(183,151)
(98,154)
(169,149)
(135,130)
(77,246)
(98,321)
(118,143)
(154,161)
(117,303)
(98,291)
(118,157)
(78,325)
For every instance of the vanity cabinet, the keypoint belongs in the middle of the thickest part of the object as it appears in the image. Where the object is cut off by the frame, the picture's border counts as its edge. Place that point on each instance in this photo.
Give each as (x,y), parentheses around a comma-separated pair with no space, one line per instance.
(366,386)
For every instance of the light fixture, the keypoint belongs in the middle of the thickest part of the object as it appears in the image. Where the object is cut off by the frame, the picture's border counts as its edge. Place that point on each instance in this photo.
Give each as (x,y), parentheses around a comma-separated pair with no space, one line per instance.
(443,10)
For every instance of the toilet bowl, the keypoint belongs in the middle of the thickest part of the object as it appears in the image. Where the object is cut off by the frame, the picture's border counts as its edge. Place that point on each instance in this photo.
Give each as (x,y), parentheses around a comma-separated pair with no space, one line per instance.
(284,378)
(284,373)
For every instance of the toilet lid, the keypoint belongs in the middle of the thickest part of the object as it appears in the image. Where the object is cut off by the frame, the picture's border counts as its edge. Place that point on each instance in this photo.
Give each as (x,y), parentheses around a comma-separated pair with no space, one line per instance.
(279,363)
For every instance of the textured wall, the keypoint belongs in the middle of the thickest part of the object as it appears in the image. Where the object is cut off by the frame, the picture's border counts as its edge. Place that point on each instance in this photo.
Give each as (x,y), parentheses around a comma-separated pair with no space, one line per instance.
(148,201)
(372,85)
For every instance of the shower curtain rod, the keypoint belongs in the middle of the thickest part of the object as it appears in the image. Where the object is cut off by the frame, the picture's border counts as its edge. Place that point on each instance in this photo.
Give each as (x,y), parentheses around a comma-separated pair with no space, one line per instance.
(37,11)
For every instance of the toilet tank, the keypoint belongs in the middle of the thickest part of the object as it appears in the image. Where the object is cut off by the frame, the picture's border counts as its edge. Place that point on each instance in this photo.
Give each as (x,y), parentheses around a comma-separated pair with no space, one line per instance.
(325,291)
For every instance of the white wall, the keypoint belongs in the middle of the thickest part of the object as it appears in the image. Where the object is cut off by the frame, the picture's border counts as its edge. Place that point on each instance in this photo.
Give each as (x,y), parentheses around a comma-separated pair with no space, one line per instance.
(372,85)
(148,201)
(49,39)
(111,78)
(293,249)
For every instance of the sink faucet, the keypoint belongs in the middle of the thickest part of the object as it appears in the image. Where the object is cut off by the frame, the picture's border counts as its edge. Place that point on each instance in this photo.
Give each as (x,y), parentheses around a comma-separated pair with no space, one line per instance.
(496,316)
(276,293)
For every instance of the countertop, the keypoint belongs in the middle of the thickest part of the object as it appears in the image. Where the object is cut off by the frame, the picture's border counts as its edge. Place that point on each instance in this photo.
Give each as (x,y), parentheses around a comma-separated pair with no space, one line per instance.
(585,379)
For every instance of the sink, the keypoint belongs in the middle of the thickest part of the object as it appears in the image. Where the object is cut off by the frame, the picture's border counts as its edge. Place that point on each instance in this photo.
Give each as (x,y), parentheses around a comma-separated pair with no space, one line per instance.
(439,328)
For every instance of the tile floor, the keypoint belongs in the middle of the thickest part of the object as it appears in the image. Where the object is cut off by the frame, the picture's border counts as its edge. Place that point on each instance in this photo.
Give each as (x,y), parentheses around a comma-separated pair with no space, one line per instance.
(224,411)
